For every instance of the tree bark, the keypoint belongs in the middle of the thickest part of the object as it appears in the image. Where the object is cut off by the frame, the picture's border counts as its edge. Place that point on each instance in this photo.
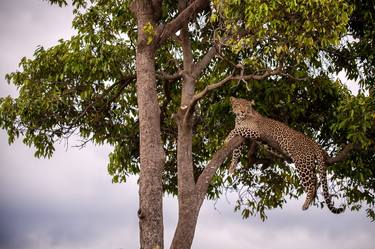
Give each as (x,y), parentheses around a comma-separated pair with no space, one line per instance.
(152,155)
(187,201)
(187,211)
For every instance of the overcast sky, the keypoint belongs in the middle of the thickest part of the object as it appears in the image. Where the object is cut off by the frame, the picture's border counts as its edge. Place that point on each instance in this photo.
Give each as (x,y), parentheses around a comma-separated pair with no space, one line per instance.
(69,201)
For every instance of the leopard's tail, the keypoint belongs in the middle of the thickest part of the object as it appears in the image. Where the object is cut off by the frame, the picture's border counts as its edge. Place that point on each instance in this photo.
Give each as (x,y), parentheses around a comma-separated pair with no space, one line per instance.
(324,182)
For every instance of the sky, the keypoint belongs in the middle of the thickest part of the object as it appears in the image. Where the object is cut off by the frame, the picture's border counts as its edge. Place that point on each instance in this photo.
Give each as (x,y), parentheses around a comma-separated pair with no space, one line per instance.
(69,202)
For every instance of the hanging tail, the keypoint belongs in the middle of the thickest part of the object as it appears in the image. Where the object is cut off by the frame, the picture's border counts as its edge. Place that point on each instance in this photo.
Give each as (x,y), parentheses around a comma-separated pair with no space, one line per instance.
(324,182)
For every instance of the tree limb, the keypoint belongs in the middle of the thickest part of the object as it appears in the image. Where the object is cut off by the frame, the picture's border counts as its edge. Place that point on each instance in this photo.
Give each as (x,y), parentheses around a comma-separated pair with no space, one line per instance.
(255,76)
(294,78)
(214,86)
(203,63)
(217,160)
(185,40)
(251,152)
(342,154)
(166,31)
(157,8)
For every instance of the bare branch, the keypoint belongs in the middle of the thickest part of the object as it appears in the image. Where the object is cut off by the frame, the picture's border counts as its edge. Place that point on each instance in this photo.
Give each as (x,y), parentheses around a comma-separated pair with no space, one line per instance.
(204,62)
(342,154)
(166,31)
(221,83)
(157,8)
(209,88)
(293,77)
(267,73)
(217,160)
(201,94)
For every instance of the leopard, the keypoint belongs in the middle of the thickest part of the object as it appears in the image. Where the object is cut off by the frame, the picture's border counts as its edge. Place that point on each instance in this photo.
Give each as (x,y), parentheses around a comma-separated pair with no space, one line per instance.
(307,155)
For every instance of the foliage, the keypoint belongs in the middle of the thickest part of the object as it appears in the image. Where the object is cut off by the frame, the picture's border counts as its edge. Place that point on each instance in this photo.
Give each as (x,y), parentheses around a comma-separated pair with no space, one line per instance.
(355,117)
(275,30)
(86,86)
(356,56)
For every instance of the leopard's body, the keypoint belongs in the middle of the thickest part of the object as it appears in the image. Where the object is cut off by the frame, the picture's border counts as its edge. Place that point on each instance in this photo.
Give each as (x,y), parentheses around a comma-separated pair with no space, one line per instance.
(305,153)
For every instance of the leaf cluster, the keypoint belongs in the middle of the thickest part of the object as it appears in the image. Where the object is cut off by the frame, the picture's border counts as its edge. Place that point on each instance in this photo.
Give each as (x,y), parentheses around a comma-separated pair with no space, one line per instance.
(80,86)
(278,30)
(356,54)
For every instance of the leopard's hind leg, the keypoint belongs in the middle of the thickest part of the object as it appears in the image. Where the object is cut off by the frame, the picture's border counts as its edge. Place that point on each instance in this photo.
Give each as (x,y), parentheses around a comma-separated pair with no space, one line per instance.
(306,171)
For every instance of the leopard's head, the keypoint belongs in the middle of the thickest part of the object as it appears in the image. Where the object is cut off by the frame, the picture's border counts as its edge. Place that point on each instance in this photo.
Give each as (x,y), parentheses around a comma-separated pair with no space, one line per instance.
(242,106)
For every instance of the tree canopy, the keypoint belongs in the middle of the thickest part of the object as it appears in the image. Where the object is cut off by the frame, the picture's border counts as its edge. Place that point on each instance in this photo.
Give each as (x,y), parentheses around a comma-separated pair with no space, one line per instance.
(282,54)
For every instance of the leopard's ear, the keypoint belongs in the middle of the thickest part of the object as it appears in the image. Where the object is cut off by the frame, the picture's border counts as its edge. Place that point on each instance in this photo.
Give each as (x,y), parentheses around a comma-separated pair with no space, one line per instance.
(252,112)
(233,100)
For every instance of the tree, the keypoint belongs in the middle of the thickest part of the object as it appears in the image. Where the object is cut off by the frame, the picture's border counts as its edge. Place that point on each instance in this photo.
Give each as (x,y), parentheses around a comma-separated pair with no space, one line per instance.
(153,79)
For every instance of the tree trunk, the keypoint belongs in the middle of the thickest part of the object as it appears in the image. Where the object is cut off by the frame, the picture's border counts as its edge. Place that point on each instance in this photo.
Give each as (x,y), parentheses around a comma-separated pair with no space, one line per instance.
(187,198)
(152,156)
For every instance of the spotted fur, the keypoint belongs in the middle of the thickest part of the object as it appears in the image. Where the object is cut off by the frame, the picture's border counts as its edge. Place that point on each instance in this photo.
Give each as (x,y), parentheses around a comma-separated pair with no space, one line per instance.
(305,153)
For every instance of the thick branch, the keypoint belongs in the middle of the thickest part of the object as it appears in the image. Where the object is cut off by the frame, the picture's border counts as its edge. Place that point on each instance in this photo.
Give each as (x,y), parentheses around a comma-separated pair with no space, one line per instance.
(203,63)
(342,154)
(164,32)
(157,8)
(218,158)
(184,39)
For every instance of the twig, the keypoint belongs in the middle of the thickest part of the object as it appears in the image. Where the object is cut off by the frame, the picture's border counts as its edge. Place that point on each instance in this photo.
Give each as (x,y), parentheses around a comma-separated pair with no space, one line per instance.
(214,86)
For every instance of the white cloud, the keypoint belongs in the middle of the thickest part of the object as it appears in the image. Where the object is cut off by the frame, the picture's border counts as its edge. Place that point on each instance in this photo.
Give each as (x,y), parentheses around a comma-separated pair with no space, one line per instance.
(68,199)
(288,228)
(352,85)
(25,24)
